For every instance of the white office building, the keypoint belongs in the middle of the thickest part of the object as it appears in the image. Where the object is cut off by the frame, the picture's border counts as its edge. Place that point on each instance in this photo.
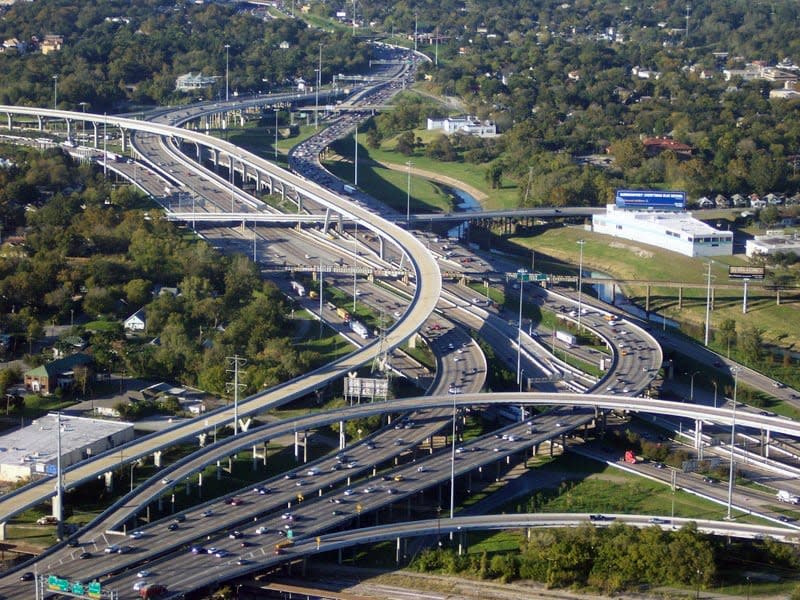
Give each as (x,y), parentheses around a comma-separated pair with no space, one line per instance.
(676,231)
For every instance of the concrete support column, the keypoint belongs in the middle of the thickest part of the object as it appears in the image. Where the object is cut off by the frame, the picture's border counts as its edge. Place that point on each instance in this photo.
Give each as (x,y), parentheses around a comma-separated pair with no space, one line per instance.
(95,135)
(766,445)
(40,122)
(647,299)
(219,471)
(123,139)
(342,440)
(10,122)
(200,484)
(380,247)
(157,458)
(108,477)
(215,159)
(680,297)
(258,181)
(188,487)
(698,438)
(296,446)
(397,552)
(202,439)
(160,503)
(231,172)
(199,153)
(3,530)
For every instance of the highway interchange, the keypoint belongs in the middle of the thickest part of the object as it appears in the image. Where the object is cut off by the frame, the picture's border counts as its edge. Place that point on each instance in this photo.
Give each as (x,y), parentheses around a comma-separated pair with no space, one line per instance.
(460,364)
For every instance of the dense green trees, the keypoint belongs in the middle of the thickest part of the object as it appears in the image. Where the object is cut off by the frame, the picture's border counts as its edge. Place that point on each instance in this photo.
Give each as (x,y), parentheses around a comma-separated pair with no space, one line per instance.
(84,257)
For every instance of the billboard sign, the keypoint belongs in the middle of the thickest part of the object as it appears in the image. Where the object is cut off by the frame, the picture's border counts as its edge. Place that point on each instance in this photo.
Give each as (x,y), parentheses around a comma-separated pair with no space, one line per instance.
(651,199)
(746,272)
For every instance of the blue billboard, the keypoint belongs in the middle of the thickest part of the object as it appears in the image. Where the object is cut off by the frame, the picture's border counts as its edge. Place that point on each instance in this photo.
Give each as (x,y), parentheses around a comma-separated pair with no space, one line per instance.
(651,199)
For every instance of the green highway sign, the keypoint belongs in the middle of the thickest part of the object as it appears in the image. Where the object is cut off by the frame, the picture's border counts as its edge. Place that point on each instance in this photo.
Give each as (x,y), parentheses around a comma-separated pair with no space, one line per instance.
(540,276)
(523,276)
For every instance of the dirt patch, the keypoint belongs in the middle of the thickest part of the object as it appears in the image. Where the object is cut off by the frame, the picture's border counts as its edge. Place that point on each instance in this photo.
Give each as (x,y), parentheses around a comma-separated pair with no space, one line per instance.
(640,252)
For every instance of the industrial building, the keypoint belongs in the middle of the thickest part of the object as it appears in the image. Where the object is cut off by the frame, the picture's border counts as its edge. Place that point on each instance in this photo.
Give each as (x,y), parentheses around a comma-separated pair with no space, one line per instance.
(32,450)
(658,219)
(773,242)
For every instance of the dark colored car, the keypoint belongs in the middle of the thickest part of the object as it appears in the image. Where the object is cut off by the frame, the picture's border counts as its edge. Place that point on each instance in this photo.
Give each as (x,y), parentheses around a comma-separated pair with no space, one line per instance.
(27,576)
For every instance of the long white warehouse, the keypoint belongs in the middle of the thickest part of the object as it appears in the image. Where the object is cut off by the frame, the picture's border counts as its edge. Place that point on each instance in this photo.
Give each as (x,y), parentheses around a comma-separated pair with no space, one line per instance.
(676,231)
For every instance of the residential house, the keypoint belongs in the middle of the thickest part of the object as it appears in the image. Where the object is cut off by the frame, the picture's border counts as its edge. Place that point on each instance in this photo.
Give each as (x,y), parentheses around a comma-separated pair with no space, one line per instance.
(705,202)
(721,201)
(51,43)
(467,125)
(136,322)
(654,146)
(739,201)
(56,374)
(193,81)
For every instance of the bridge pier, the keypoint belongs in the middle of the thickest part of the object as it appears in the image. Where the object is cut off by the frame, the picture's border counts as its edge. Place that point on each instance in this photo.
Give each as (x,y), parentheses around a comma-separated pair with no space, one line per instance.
(2,531)
(10,122)
(200,484)
(122,137)
(647,299)
(157,458)
(698,438)
(380,247)
(397,552)
(219,471)
(767,442)
(40,122)
(202,439)
(94,135)
(108,478)
(304,443)
(342,440)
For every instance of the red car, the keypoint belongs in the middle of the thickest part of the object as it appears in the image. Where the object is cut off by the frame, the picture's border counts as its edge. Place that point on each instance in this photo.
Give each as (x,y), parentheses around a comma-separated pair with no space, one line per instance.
(153,591)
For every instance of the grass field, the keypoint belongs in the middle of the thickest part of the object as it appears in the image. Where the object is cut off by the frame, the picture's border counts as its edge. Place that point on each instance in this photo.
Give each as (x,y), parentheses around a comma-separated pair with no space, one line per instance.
(473,175)
(628,260)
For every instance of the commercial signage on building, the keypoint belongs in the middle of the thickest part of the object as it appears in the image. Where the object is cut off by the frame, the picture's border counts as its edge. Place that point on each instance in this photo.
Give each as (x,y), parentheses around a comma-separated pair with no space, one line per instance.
(745,272)
(651,199)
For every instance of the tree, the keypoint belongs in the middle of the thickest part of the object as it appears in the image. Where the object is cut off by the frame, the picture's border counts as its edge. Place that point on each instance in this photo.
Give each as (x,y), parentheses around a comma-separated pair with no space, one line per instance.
(405,143)
(751,343)
(727,334)
(494,175)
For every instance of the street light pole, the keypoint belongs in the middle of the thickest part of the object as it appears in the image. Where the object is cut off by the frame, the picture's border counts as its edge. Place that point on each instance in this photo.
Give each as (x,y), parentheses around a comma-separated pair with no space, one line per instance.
(522,276)
(408,193)
(580,283)
(708,305)
(55,92)
(733,439)
(355,159)
(227,65)
(714,382)
(316,90)
(355,268)
(276,135)
(453,463)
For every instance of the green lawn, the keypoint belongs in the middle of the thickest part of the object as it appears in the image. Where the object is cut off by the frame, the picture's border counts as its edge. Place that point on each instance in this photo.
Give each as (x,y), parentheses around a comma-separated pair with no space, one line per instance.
(473,175)
(391,187)
(629,260)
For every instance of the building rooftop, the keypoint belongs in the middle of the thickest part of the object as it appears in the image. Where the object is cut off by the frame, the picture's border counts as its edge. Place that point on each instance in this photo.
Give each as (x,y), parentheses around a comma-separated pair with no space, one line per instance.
(674,220)
(38,441)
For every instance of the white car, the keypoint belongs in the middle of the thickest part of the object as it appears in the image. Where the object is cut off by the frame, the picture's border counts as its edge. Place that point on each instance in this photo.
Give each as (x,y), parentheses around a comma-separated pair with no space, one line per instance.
(139,585)
(144,573)
(137,534)
(313,471)
(349,492)
(112,549)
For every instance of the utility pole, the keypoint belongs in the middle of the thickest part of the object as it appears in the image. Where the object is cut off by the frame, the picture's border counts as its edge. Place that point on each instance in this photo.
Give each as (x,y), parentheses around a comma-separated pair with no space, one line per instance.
(236,362)
(355,160)
(415,31)
(227,64)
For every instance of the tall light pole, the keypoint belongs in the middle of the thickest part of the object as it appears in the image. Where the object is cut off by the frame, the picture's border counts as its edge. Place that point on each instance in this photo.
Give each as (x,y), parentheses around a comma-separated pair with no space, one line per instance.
(708,305)
(714,382)
(227,64)
(55,92)
(733,439)
(522,277)
(276,134)
(408,193)
(580,283)
(453,463)
(355,268)
(355,159)
(59,483)
(316,90)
